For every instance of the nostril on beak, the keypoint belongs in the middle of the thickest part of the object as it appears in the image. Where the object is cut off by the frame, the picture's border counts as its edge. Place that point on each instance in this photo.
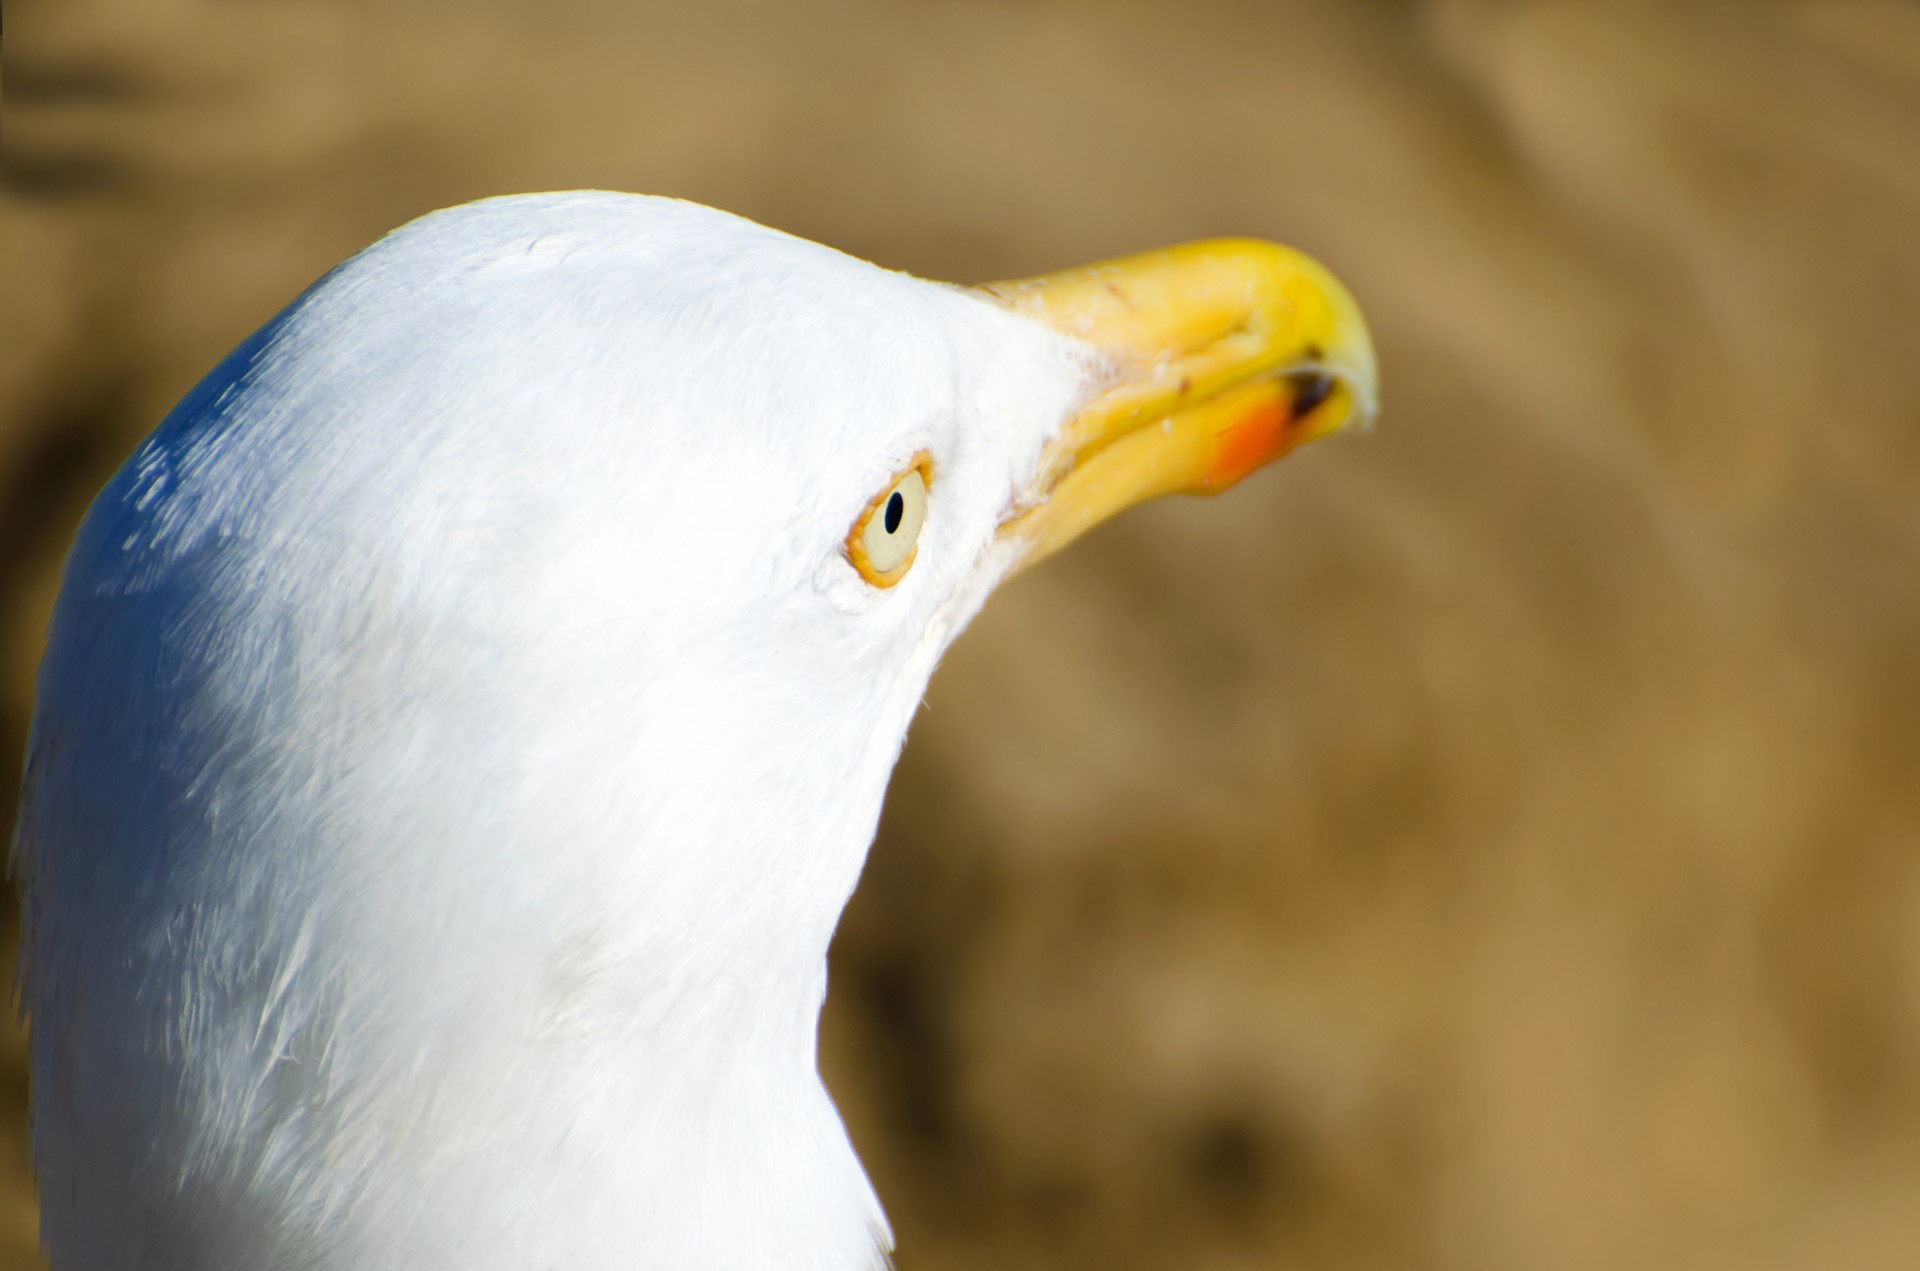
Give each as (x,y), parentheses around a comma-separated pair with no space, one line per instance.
(1310,388)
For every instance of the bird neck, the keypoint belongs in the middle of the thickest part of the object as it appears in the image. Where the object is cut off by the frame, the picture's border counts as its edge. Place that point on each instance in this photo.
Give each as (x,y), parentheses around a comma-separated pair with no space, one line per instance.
(602,1100)
(638,1084)
(588,1059)
(699,1137)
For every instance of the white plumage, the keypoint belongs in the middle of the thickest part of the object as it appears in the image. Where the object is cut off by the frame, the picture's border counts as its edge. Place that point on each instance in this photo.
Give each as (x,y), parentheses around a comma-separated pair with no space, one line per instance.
(461,728)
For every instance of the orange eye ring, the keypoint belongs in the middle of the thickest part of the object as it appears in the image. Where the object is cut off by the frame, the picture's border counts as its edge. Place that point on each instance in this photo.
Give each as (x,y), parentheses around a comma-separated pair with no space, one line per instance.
(885,538)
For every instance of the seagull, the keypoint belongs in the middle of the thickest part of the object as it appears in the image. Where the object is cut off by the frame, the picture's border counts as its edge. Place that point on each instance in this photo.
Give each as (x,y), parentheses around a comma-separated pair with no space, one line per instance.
(466,715)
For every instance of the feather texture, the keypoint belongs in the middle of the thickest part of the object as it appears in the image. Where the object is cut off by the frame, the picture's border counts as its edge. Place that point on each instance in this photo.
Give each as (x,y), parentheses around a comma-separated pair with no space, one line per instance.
(460,732)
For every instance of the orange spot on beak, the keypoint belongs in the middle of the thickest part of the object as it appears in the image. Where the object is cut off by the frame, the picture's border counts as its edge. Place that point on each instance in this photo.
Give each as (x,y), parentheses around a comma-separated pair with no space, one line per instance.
(1254,440)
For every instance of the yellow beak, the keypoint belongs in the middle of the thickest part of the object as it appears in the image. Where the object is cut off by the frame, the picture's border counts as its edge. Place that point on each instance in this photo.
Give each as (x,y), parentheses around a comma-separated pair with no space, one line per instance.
(1220,357)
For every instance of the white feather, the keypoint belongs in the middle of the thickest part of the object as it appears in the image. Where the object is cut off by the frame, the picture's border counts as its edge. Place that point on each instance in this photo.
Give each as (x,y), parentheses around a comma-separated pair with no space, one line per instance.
(460,732)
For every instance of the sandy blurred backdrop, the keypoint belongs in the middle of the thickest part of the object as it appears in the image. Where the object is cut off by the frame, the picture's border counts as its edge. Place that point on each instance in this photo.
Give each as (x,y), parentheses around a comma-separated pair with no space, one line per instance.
(1490,844)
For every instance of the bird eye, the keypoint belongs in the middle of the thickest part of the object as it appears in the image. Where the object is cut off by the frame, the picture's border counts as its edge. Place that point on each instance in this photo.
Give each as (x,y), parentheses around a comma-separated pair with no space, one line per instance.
(882,542)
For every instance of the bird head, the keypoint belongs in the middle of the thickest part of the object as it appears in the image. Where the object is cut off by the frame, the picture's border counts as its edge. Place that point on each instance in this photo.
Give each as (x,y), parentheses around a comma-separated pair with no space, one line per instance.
(466,716)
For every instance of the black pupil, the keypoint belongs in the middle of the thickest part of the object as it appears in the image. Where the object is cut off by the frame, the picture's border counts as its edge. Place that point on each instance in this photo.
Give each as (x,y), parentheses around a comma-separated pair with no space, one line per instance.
(896,508)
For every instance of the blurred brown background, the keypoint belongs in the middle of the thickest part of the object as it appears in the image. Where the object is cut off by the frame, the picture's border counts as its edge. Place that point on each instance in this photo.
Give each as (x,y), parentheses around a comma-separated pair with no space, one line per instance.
(1489,844)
